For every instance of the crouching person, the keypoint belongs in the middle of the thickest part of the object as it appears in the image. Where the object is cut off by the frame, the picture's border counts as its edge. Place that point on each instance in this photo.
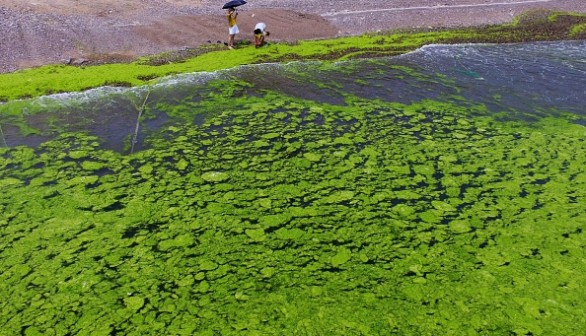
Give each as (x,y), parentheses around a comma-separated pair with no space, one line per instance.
(260,32)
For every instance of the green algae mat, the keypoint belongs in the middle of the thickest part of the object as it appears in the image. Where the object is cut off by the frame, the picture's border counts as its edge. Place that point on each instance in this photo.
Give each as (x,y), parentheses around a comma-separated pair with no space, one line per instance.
(275,215)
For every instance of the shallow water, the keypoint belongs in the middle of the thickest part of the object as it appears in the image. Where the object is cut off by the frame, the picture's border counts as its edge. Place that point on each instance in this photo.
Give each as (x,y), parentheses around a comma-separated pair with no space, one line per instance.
(515,80)
(524,77)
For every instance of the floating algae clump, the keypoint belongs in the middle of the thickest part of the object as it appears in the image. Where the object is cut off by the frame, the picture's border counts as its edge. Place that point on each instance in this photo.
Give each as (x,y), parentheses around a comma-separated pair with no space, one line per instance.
(296,217)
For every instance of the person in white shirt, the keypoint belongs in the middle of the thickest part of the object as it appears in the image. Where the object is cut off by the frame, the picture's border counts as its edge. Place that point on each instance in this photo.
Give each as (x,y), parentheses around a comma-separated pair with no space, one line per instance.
(260,32)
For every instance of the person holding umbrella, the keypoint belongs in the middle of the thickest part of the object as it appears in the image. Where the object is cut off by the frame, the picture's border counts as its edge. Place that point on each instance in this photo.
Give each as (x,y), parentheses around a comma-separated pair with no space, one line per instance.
(231,15)
(232,26)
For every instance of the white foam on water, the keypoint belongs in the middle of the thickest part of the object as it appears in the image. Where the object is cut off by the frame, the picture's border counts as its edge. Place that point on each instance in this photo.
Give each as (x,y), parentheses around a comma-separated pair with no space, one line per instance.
(193,78)
(102,92)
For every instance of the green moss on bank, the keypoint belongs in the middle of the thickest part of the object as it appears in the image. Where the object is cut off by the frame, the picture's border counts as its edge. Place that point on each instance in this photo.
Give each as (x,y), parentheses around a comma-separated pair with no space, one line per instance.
(532,26)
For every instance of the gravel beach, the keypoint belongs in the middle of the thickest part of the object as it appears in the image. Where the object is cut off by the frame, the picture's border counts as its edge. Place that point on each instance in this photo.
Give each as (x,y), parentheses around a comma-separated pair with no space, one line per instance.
(34,33)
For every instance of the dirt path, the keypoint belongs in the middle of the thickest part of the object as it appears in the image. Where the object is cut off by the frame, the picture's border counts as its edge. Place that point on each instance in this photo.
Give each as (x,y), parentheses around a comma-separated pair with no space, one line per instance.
(36,32)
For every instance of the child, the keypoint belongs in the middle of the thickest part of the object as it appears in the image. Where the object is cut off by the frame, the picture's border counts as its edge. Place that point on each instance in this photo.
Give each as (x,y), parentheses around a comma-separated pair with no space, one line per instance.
(233,27)
(260,31)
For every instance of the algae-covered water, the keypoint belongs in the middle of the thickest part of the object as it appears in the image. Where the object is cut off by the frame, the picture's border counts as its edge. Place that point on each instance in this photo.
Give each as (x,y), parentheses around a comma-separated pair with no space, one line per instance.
(436,193)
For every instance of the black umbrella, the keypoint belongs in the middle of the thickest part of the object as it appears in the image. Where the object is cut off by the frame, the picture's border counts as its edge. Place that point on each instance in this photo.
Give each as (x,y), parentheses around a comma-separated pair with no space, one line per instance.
(233,3)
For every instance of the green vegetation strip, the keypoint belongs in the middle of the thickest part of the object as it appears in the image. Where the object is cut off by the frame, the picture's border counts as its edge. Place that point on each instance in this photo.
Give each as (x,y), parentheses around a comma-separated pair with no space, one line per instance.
(533,26)
(281,216)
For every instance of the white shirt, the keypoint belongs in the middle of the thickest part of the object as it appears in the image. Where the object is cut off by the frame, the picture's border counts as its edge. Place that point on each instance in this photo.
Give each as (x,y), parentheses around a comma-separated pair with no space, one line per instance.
(260,26)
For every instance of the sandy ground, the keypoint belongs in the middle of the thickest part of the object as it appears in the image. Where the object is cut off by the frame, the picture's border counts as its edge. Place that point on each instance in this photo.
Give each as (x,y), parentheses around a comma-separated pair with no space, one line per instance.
(37,32)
